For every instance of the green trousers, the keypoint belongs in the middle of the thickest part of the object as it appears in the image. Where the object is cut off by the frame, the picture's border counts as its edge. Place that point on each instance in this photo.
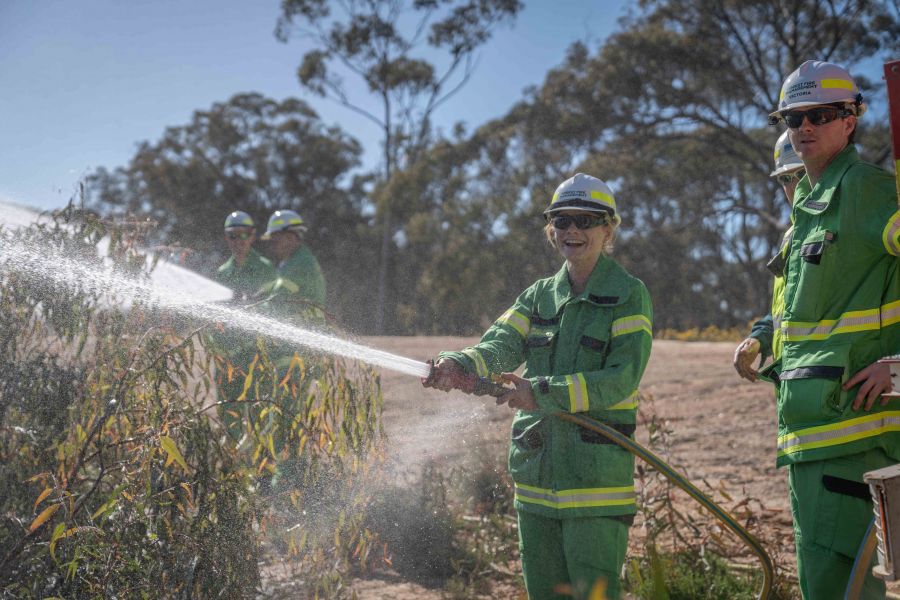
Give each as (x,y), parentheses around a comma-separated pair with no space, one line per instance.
(574,552)
(832,511)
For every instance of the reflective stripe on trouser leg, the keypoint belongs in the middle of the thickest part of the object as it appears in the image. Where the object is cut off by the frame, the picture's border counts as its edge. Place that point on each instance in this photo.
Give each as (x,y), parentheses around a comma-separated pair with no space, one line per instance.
(574,551)
(829,526)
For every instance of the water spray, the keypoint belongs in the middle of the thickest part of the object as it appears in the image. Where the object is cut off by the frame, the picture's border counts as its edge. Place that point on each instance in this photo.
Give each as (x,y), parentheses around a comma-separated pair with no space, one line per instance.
(51,265)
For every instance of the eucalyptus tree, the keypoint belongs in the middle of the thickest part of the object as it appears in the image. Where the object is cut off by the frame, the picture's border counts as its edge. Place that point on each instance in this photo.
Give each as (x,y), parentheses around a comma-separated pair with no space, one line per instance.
(710,71)
(672,111)
(389,45)
(258,155)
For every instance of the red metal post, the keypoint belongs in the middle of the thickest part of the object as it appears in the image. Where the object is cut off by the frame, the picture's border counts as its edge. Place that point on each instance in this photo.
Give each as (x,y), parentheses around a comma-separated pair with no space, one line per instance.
(892,77)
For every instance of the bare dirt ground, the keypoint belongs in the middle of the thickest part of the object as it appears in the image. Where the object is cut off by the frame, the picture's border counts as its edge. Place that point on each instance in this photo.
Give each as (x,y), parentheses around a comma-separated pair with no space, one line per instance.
(723,438)
(723,431)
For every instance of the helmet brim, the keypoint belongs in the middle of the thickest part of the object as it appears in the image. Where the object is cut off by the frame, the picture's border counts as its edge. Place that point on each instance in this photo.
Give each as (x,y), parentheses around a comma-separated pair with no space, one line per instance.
(786,169)
(860,108)
(560,207)
(297,229)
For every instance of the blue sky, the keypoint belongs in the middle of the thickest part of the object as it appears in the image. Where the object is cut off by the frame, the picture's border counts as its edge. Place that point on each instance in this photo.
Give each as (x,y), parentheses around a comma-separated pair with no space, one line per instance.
(84,81)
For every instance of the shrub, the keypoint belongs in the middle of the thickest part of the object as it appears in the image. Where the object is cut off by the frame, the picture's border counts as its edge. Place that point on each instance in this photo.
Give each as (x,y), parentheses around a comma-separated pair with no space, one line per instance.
(119,483)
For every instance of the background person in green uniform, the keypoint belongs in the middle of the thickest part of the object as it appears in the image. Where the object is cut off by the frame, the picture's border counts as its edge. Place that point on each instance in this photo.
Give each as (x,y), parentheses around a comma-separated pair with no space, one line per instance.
(296,295)
(246,271)
(765,338)
(841,314)
(298,290)
(584,335)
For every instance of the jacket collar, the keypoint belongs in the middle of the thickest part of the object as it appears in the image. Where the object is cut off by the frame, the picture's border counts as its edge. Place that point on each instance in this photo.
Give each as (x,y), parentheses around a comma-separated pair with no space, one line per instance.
(817,199)
(252,256)
(605,286)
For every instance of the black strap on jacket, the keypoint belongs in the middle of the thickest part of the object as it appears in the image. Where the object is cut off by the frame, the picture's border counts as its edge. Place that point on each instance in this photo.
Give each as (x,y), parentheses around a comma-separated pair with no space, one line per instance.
(603,299)
(592,437)
(538,341)
(822,372)
(592,343)
(536,319)
(846,487)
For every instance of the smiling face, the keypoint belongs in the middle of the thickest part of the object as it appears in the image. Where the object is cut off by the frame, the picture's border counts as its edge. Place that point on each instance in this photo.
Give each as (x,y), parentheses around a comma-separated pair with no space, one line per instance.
(580,247)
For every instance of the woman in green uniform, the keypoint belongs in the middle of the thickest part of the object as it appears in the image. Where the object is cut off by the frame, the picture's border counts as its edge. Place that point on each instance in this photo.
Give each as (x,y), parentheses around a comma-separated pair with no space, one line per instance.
(584,335)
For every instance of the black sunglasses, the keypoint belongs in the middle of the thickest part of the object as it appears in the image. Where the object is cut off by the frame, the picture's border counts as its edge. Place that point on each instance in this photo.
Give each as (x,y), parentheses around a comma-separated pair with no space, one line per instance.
(817,116)
(563,222)
(787,178)
(231,235)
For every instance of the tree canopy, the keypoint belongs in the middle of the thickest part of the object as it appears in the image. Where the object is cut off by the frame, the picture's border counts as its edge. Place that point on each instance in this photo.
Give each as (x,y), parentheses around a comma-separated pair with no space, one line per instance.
(670,111)
(380,43)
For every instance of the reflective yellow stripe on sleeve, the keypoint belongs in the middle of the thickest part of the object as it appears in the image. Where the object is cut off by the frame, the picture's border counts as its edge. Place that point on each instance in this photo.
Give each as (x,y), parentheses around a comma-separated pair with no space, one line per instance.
(284,282)
(631,324)
(480,366)
(516,320)
(578,394)
(577,498)
(836,434)
(849,322)
(628,403)
(890,314)
(891,235)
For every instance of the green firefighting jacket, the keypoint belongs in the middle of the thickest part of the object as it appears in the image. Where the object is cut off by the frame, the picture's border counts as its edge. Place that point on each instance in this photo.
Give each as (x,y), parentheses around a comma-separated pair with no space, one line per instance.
(298,290)
(841,312)
(768,329)
(583,353)
(247,279)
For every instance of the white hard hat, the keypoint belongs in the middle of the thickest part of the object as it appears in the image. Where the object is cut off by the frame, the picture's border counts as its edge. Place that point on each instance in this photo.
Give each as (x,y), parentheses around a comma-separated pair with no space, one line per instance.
(818,82)
(583,192)
(282,220)
(786,159)
(238,219)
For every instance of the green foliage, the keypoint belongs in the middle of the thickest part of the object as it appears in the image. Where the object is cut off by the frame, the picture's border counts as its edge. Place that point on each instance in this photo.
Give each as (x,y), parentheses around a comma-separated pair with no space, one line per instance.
(119,479)
(687,576)
(670,110)
(258,155)
(711,333)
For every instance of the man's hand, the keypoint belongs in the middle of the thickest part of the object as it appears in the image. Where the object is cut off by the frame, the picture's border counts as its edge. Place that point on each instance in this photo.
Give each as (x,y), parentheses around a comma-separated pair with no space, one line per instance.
(522,397)
(449,375)
(876,380)
(744,356)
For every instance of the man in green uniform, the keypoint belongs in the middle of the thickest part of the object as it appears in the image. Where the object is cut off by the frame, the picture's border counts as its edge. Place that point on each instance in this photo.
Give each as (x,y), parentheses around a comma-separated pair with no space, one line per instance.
(841,314)
(298,290)
(765,335)
(584,335)
(245,272)
(297,295)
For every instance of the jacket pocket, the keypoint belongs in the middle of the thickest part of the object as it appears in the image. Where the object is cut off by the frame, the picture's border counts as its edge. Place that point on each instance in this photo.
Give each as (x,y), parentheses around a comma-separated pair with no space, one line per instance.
(817,257)
(600,462)
(539,350)
(526,449)
(811,392)
(593,345)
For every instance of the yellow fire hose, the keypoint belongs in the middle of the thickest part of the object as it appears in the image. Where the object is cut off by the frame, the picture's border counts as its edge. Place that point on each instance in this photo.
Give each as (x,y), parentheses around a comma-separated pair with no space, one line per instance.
(669,473)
